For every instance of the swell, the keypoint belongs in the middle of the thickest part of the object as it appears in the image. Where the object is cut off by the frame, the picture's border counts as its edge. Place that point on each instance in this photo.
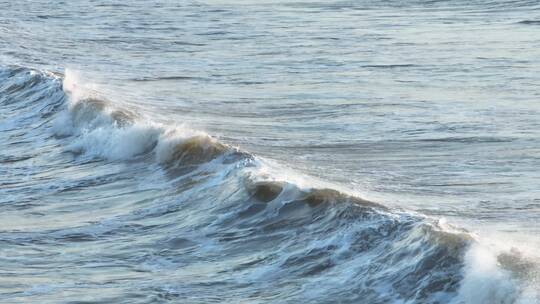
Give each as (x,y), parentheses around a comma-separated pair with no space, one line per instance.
(297,231)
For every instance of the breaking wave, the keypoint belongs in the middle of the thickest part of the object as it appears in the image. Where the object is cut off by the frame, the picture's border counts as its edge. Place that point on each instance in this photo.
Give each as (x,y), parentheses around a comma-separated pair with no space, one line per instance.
(283,240)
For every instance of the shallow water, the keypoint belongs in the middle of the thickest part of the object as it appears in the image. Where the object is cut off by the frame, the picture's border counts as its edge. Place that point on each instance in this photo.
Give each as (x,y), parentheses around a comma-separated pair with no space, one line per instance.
(270,151)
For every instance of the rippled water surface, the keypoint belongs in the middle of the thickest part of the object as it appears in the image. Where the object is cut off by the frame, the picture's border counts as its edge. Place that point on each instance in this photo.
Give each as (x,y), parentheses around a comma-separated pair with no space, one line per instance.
(270,151)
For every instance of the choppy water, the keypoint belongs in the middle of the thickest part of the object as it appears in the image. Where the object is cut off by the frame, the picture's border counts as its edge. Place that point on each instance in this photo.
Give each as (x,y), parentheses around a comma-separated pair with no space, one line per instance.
(270,152)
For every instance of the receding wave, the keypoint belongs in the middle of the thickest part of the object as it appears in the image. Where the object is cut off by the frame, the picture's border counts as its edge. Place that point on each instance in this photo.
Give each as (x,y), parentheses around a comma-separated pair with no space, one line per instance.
(306,241)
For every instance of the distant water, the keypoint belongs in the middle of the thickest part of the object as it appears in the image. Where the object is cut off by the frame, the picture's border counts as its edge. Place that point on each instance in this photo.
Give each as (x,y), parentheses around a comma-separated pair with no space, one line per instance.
(270,152)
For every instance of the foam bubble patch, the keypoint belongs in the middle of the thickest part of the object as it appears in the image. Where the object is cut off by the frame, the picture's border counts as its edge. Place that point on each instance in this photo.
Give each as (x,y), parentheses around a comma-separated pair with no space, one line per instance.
(485,282)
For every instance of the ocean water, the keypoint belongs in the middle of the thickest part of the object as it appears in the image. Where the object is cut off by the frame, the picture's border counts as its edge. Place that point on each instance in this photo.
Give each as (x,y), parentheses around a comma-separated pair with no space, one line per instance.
(270,151)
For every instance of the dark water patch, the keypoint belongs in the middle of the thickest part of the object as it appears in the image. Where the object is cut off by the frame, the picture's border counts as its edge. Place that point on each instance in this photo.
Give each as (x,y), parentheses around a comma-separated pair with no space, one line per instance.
(77,237)
(530,22)
(189,153)
(179,243)
(474,139)
(315,197)
(196,150)
(167,78)
(188,43)
(247,83)
(214,33)
(265,191)
(8,159)
(389,66)
(515,262)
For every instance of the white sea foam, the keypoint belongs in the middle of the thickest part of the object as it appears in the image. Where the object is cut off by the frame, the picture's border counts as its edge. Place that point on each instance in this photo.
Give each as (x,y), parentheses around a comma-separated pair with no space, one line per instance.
(116,143)
(487,280)
(91,119)
(484,281)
